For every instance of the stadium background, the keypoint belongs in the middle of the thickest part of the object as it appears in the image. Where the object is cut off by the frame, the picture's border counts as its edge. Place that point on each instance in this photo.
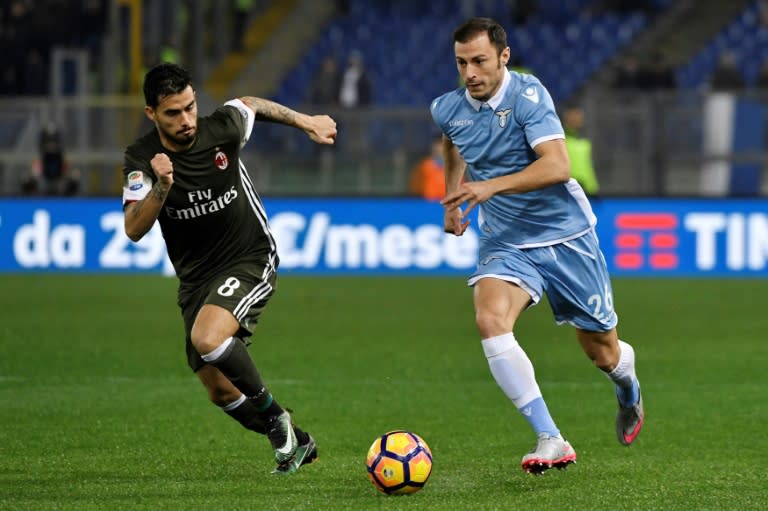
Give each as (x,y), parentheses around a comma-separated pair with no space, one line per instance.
(652,141)
(98,408)
(680,139)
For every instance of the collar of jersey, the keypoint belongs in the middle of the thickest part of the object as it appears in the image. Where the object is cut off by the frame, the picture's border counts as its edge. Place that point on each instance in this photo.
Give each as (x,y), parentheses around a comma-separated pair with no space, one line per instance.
(495,101)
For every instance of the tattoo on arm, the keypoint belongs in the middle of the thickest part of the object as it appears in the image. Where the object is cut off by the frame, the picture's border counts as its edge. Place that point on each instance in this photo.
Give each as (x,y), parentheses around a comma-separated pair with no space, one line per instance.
(266,110)
(159,192)
(134,209)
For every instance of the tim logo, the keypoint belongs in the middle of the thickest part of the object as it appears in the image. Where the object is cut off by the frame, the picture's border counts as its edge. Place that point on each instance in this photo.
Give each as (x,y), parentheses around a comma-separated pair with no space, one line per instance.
(646,240)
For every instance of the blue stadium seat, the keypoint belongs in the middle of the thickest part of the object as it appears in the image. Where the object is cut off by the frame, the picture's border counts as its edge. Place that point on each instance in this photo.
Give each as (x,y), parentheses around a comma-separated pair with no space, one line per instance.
(743,36)
(408,52)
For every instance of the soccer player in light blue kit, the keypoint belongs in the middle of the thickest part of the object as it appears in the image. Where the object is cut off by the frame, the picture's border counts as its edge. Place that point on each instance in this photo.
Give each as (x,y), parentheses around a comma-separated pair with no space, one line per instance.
(536,232)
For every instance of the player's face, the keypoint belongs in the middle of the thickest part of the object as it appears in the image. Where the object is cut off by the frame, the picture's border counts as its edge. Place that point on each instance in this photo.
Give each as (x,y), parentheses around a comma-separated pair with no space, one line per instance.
(176,119)
(480,66)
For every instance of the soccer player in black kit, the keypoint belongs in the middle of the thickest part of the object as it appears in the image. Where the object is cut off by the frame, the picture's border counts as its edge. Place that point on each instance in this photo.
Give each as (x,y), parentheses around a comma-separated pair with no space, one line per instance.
(187,175)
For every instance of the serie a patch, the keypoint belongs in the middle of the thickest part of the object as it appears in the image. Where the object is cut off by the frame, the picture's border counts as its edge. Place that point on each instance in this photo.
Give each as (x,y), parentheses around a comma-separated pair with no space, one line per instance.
(135,180)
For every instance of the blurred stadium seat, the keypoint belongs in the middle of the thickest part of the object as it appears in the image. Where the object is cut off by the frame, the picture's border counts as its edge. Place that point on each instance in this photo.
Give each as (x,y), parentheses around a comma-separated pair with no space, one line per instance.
(408,51)
(571,45)
(746,37)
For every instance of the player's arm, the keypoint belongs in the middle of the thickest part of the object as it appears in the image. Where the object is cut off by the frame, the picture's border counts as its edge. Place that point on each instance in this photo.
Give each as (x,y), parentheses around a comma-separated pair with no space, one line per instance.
(551,167)
(319,128)
(141,215)
(455,167)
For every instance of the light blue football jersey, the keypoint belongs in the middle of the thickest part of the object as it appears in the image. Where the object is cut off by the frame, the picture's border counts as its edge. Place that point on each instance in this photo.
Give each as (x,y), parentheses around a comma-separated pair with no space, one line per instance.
(497,138)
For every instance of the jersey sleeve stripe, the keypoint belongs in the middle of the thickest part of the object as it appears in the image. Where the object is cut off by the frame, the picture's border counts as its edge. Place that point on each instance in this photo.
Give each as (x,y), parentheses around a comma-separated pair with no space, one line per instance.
(546,138)
(247,114)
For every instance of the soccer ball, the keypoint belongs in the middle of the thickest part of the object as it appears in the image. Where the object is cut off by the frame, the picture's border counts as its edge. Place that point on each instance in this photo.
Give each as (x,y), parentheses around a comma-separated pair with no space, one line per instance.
(399,462)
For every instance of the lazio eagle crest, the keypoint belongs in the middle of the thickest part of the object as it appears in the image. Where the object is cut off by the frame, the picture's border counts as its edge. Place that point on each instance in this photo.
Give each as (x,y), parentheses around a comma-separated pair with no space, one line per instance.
(503,116)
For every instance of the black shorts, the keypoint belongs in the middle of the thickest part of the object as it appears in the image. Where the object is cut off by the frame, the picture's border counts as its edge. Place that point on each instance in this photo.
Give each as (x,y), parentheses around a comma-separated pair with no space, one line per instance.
(243,289)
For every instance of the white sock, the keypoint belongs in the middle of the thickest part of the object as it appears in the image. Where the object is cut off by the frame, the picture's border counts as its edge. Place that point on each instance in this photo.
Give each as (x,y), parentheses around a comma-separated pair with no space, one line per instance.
(623,375)
(511,368)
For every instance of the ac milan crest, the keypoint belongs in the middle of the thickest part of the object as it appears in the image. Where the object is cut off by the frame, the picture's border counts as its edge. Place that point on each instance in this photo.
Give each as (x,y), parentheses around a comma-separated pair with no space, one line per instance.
(222,162)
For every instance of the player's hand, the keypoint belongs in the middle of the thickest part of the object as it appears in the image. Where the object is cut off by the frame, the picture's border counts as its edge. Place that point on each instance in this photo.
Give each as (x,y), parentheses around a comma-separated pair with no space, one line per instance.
(453,221)
(472,192)
(321,129)
(163,168)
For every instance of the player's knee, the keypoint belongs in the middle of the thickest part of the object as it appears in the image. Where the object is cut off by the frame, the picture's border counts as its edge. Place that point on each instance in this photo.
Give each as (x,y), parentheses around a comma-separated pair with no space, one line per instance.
(204,343)
(213,325)
(490,324)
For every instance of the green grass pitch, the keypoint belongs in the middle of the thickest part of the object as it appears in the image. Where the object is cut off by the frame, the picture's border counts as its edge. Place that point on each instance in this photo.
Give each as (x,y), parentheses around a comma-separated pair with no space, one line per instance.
(98,410)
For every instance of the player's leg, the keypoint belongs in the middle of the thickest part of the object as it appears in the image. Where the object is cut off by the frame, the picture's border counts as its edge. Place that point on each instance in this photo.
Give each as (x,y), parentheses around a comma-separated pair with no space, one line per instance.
(497,306)
(232,302)
(580,294)
(499,301)
(213,336)
(223,393)
(226,396)
(616,359)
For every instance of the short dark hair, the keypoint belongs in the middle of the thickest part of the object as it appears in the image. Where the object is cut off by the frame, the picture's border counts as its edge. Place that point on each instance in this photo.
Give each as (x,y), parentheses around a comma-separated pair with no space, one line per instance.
(475,26)
(163,80)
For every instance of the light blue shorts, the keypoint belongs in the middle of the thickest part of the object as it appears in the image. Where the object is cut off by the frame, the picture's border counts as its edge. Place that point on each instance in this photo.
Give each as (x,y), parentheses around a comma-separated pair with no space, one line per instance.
(572,274)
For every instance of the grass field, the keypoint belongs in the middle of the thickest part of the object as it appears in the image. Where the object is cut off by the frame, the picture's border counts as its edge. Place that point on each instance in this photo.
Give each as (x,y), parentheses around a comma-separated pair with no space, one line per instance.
(98,410)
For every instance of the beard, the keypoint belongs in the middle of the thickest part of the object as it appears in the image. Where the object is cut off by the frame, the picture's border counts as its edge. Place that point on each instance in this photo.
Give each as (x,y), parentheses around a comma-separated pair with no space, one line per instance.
(182,139)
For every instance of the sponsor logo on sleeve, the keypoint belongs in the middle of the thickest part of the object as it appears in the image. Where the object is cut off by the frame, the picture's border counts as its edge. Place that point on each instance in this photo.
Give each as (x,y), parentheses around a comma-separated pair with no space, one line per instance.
(135,180)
